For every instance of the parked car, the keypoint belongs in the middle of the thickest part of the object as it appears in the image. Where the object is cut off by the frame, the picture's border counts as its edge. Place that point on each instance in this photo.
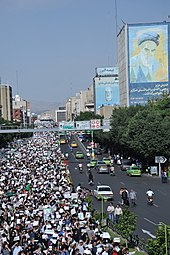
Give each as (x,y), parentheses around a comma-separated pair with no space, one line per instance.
(133,171)
(79,155)
(125,163)
(101,167)
(103,191)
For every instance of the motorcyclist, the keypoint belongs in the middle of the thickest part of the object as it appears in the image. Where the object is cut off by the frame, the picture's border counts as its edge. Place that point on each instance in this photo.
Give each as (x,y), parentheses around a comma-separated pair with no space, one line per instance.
(80,167)
(90,177)
(150,194)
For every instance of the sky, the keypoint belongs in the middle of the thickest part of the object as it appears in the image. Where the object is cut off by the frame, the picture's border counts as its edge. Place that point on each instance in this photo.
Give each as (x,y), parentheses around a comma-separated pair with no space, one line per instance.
(49,49)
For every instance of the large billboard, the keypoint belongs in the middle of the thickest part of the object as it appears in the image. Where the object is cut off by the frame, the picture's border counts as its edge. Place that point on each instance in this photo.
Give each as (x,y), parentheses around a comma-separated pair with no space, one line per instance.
(106,91)
(148,61)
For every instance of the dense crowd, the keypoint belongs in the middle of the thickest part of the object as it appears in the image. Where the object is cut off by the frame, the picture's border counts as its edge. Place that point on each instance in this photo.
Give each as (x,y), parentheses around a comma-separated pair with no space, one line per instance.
(41,212)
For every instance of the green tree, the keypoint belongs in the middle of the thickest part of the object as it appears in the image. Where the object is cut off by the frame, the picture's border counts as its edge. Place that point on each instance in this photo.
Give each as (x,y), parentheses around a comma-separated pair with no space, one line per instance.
(127,223)
(119,122)
(87,116)
(161,244)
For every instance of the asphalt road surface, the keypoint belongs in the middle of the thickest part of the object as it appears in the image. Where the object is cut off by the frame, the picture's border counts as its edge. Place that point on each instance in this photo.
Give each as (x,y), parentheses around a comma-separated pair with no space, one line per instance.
(149,217)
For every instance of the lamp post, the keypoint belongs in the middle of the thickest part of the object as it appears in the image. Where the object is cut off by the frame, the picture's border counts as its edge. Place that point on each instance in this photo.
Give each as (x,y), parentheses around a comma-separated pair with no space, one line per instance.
(92,141)
(166,237)
(102,202)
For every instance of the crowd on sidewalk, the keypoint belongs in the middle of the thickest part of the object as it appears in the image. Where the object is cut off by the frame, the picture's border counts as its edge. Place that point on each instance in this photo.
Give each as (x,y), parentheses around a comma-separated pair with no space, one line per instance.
(41,212)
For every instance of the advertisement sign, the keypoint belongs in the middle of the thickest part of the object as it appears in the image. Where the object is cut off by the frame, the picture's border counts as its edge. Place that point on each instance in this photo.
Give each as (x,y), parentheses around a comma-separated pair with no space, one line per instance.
(82,125)
(106,91)
(66,125)
(106,71)
(148,54)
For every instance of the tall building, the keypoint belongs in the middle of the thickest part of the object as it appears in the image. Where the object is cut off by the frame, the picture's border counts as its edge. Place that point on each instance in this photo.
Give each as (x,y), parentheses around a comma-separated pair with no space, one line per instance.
(106,88)
(21,110)
(81,102)
(6,101)
(143,61)
(60,114)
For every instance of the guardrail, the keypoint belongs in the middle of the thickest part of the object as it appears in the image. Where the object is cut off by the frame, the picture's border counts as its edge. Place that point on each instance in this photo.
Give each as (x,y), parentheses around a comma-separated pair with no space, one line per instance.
(133,240)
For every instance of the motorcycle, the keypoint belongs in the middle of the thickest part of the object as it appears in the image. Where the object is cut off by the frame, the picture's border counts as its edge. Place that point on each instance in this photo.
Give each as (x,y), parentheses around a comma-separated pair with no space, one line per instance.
(150,200)
(112,171)
(91,183)
(80,169)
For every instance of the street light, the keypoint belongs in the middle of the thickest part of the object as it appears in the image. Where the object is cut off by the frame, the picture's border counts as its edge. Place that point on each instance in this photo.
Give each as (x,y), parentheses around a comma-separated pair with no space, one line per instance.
(166,237)
(102,201)
(92,142)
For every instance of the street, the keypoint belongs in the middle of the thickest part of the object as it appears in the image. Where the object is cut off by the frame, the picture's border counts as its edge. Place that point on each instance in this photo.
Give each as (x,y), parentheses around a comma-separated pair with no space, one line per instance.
(149,217)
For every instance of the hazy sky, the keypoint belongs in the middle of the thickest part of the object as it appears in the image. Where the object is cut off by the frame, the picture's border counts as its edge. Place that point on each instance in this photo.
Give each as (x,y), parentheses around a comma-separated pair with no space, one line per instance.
(49,49)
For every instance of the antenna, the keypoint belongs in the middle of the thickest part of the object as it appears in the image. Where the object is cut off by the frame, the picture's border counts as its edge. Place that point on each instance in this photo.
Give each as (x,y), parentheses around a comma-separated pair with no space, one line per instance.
(116,28)
(17,82)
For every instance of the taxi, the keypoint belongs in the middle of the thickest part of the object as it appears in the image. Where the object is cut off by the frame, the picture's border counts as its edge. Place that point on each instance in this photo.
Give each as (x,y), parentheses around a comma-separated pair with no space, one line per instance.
(74,144)
(62,141)
(133,171)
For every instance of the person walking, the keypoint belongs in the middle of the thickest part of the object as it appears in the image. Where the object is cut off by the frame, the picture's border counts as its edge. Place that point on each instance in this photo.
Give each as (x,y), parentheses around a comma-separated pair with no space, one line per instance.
(117,213)
(133,197)
(110,210)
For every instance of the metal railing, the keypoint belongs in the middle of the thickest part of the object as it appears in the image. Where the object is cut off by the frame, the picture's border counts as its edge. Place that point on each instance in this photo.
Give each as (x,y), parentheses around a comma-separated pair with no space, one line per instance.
(133,240)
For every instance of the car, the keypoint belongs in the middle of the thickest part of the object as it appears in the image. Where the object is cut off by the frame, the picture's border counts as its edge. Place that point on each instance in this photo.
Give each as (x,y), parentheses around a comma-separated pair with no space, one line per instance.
(79,155)
(89,147)
(74,144)
(133,171)
(103,191)
(98,151)
(101,167)
(62,141)
(107,161)
(125,163)
(93,162)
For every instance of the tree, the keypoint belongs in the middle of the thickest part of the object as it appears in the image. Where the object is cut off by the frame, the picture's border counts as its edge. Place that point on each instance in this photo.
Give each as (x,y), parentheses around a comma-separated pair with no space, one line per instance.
(87,116)
(161,244)
(127,223)
(119,122)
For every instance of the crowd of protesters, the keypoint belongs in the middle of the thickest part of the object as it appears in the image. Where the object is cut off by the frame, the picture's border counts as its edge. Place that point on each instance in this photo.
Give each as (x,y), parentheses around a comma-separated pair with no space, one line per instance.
(41,212)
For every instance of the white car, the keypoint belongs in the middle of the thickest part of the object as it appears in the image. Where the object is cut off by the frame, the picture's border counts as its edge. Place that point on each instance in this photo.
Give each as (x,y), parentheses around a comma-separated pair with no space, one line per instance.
(103,191)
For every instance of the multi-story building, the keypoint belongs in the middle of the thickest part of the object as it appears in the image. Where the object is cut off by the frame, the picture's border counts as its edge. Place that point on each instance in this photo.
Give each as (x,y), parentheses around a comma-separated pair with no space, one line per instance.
(60,114)
(6,101)
(143,61)
(81,102)
(21,110)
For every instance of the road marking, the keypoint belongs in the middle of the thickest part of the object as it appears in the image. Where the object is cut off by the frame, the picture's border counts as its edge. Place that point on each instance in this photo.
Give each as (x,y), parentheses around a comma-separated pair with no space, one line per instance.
(155,205)
(122,183)
(151,222)
(163,193)
(145,183)
(148,233)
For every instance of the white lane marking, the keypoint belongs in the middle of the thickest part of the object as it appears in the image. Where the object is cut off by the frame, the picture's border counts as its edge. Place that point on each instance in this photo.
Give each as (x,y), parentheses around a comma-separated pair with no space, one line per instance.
(155,205)
(122,183)
(163,193)
(145,183)
(148,233)
(150,221)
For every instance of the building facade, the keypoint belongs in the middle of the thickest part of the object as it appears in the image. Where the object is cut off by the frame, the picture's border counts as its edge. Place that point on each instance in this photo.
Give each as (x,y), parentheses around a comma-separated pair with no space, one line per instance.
(81,102)
(6,102)
(21,110)
(60,114)
(143,61)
